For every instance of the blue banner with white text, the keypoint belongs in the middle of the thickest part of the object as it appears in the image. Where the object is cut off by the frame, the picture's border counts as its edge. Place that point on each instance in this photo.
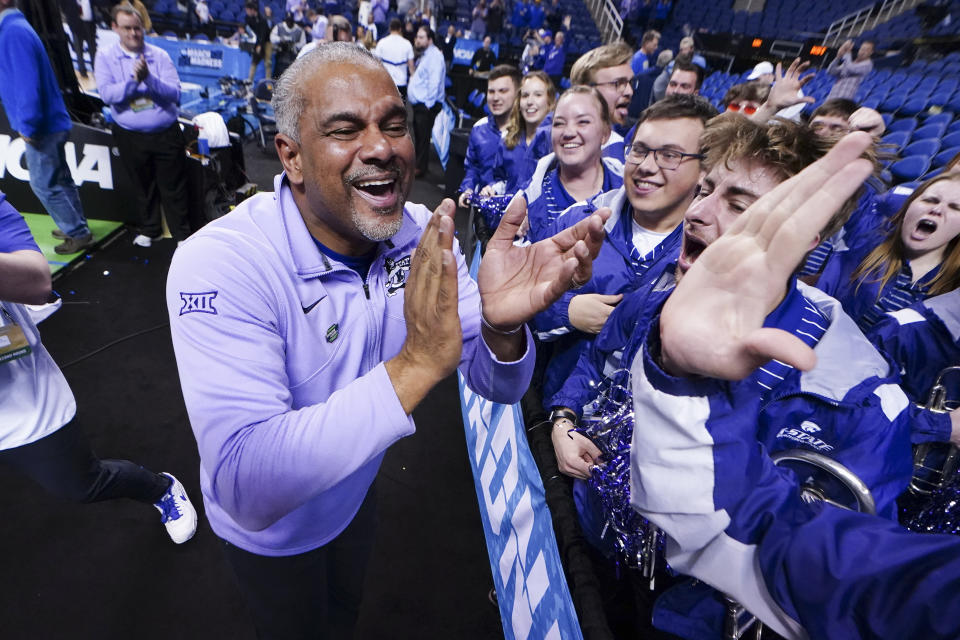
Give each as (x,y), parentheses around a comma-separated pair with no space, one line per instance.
(204,63)
(531,588)
(464,49)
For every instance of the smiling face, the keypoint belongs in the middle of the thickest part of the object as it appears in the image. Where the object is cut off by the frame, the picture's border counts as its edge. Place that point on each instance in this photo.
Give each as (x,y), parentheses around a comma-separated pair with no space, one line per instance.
(501,94)
(660,196)
(618,100)
(353,168)
(534,101)
(578,131)
(725,193)
(932,220)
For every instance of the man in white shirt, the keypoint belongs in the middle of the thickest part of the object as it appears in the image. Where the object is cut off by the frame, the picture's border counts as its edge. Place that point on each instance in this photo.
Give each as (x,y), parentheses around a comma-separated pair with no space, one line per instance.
(396,54)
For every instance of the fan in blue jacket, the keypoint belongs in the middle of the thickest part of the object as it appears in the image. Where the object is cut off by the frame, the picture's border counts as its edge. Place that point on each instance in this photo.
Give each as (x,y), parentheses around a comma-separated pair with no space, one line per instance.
(576,170)
(503,86)
(918,259)
(697,470)
(848,408)
(643,233)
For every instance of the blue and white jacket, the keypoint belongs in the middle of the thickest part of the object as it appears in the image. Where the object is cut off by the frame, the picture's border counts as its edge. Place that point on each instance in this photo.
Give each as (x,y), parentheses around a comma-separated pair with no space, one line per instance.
(513,168)
(694,434)
(481,149)
(613,272)
(616,344)
(547,199)
(922,340)
(860,297)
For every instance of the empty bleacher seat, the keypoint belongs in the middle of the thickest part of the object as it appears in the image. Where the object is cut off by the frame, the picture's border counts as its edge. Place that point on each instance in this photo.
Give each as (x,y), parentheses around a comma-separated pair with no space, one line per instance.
(910,168)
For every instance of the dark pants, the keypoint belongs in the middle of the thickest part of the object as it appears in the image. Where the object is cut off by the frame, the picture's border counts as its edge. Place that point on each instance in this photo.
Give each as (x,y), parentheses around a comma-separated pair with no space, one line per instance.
(65,466)
(422,127)
(157,161)
(84,32)
(311,595)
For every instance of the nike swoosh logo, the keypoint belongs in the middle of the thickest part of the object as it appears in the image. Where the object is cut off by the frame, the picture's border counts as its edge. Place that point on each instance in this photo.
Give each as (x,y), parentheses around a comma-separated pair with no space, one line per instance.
(310,308)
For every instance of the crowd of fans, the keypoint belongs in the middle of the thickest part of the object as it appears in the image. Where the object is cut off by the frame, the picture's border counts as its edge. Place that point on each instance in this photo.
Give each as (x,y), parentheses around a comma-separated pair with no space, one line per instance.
(625,132)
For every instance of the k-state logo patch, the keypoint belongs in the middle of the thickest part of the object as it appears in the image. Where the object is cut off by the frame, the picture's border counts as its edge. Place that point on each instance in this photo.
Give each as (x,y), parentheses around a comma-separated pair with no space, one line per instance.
(397,272)
(198,302)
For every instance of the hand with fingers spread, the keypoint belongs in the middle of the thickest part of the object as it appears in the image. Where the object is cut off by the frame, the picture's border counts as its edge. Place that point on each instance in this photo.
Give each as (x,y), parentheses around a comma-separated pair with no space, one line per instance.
(576,453)
(516,283)
(588,312)
(785,91)
(434,339)
(712,324)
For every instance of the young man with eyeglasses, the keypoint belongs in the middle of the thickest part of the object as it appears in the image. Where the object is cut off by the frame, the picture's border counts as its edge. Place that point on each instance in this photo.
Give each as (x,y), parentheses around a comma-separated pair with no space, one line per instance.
(643,233)
(607,68)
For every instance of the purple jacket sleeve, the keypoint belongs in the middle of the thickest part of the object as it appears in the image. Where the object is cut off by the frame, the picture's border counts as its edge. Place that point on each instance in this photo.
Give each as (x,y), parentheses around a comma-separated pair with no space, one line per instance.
(113,84)
(163,83)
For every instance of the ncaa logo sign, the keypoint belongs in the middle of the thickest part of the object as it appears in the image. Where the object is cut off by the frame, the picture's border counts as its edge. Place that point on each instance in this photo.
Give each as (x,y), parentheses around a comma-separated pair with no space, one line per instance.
(94,165)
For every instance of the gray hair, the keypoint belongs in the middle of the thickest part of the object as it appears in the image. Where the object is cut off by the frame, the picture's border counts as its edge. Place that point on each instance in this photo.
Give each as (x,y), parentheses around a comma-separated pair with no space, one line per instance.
(289,99)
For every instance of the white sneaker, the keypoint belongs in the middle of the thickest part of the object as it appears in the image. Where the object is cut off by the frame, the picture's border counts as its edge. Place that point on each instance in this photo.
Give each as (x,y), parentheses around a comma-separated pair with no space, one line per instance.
(176,512)
(143,241)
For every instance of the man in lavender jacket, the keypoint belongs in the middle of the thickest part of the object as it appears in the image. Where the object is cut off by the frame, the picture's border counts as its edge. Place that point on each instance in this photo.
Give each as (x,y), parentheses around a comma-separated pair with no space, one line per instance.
(310,322)
(140,83)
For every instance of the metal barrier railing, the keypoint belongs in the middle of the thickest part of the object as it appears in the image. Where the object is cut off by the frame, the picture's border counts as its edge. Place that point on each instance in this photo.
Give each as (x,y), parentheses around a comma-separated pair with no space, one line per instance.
(607,16)
(865,19)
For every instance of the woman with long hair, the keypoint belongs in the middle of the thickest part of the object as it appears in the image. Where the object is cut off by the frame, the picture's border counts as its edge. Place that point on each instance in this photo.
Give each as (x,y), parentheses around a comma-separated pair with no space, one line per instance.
(527,135)
(576,170)
(918,259)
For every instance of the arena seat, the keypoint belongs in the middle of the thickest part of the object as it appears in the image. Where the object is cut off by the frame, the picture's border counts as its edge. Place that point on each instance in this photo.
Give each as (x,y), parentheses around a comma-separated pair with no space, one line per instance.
(945,156)
(925,147)
(934,130)
(910,168)
(903,124)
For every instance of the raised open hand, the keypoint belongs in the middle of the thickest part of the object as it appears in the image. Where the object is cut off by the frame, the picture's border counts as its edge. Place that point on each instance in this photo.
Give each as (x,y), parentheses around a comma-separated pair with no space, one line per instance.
(712,324)
(516,283)
(787,84)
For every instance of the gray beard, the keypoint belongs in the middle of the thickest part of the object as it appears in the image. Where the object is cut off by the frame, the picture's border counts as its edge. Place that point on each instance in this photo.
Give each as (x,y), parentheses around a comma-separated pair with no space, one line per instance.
(377,229)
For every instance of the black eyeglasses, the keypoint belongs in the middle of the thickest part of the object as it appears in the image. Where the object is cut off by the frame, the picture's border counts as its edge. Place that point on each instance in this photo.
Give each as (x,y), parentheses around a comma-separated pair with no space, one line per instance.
(664,158)
(619,84)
